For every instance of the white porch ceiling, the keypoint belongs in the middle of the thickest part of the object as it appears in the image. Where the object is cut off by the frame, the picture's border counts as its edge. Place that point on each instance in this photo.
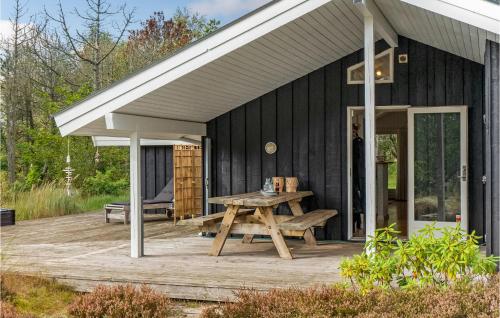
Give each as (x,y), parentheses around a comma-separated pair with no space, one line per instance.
(436,30)
(304,44)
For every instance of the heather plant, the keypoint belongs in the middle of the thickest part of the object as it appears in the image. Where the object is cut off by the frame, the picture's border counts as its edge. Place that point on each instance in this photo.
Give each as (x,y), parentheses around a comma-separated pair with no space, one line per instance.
(9,311)
(433,257)
(476,299)
(122,301)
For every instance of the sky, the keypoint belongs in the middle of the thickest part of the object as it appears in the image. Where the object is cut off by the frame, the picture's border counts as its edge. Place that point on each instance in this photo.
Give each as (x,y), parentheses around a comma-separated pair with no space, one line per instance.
(223,10)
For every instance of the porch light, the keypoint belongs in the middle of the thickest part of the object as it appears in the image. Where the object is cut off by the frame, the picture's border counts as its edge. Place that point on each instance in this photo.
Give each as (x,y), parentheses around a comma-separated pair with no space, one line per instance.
(384,69)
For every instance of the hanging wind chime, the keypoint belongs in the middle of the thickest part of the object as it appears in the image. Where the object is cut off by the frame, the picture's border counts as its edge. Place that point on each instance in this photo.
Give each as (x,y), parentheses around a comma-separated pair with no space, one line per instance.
(69,173)
(97,156)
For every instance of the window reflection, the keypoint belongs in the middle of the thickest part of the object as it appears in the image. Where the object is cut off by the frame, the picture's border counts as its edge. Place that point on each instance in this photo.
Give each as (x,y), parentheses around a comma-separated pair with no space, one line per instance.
(383,69)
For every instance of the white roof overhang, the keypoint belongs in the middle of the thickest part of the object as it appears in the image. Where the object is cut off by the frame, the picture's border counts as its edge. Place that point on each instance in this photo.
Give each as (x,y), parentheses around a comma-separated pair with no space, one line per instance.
(270,47)
(481,14)
(460,27)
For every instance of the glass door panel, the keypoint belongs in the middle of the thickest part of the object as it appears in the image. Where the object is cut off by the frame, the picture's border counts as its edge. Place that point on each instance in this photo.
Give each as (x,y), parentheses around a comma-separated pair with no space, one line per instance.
(438,166)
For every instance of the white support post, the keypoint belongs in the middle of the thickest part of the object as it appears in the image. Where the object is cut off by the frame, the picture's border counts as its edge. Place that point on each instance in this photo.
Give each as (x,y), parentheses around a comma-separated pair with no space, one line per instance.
(381,24)
(370,151)
(136,222)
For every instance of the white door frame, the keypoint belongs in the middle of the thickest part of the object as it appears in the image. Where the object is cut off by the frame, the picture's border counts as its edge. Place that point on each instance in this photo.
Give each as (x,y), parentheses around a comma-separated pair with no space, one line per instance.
(349,161)
(413,226)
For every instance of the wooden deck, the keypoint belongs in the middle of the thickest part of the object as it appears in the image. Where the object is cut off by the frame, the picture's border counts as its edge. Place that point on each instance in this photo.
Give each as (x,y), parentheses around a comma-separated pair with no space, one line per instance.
(83,251)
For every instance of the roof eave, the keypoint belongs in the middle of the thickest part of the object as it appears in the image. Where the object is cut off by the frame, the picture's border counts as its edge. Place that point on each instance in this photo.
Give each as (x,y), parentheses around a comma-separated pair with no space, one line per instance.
(261,22)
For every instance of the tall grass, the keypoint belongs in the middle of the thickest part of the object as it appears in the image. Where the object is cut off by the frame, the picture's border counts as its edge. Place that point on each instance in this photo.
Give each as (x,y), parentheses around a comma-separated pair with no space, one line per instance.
(42,201)
(50,200)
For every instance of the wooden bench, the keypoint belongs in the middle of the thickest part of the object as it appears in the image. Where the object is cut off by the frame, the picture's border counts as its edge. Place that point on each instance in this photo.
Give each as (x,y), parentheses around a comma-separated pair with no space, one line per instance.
(307,220)
(212,218)
(246,223)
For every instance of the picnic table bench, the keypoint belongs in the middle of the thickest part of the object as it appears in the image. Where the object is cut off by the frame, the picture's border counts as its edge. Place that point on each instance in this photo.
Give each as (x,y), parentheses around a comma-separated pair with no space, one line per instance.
(252,214)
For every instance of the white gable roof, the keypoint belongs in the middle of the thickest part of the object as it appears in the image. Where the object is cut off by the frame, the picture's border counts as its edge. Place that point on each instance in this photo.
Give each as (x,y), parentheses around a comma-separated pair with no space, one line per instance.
(272,46)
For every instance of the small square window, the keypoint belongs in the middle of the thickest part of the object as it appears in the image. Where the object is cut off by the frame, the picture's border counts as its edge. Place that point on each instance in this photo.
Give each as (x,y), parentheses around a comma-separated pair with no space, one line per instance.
(384,69)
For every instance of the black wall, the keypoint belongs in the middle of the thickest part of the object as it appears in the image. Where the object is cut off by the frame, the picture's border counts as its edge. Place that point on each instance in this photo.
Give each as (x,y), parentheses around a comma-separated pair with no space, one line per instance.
(307,120)
(492,137)
(157,169)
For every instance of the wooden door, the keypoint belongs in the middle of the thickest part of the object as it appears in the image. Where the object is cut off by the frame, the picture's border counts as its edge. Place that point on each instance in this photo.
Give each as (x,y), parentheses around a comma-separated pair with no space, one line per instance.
(187,181)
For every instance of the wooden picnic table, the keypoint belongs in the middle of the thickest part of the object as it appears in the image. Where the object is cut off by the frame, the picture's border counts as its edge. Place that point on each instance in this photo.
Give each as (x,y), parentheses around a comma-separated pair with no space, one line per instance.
(252,214)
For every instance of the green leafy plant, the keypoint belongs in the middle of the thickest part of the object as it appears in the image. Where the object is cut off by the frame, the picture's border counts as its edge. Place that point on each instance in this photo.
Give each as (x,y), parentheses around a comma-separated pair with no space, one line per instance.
(105,183)
(433,257)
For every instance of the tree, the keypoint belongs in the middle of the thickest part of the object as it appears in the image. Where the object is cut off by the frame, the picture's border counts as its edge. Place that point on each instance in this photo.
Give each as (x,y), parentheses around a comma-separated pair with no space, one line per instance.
(13,98)
(52,63)
(45,69)
(159,36)
(94,45)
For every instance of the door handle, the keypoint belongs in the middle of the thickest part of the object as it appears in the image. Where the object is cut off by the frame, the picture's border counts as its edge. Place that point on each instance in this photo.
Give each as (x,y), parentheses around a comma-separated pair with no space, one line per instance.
(463,175)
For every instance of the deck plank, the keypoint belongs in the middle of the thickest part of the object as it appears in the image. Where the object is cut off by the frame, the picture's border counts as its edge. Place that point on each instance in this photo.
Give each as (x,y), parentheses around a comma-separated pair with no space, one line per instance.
(83,251)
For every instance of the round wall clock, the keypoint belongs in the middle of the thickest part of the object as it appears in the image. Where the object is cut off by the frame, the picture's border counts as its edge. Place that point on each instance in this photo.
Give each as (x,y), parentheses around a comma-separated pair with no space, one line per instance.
(270,147)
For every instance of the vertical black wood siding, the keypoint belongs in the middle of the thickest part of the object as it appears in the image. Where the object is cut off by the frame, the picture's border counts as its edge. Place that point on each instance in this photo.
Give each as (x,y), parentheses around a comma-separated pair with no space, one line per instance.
(253,145)
(238,153)
(268,133)
(212,133)
(156,169)
(284,135)
(492,136)
(307,119)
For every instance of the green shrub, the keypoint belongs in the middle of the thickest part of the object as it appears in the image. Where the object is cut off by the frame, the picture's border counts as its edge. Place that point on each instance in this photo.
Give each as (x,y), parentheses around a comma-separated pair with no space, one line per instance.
(96,202)
(435,256)
(122,301)
(477,299)
(105,183)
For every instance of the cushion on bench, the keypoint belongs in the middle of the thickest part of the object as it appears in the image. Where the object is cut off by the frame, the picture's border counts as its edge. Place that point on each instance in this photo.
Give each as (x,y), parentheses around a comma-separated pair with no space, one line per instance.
(166,195)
